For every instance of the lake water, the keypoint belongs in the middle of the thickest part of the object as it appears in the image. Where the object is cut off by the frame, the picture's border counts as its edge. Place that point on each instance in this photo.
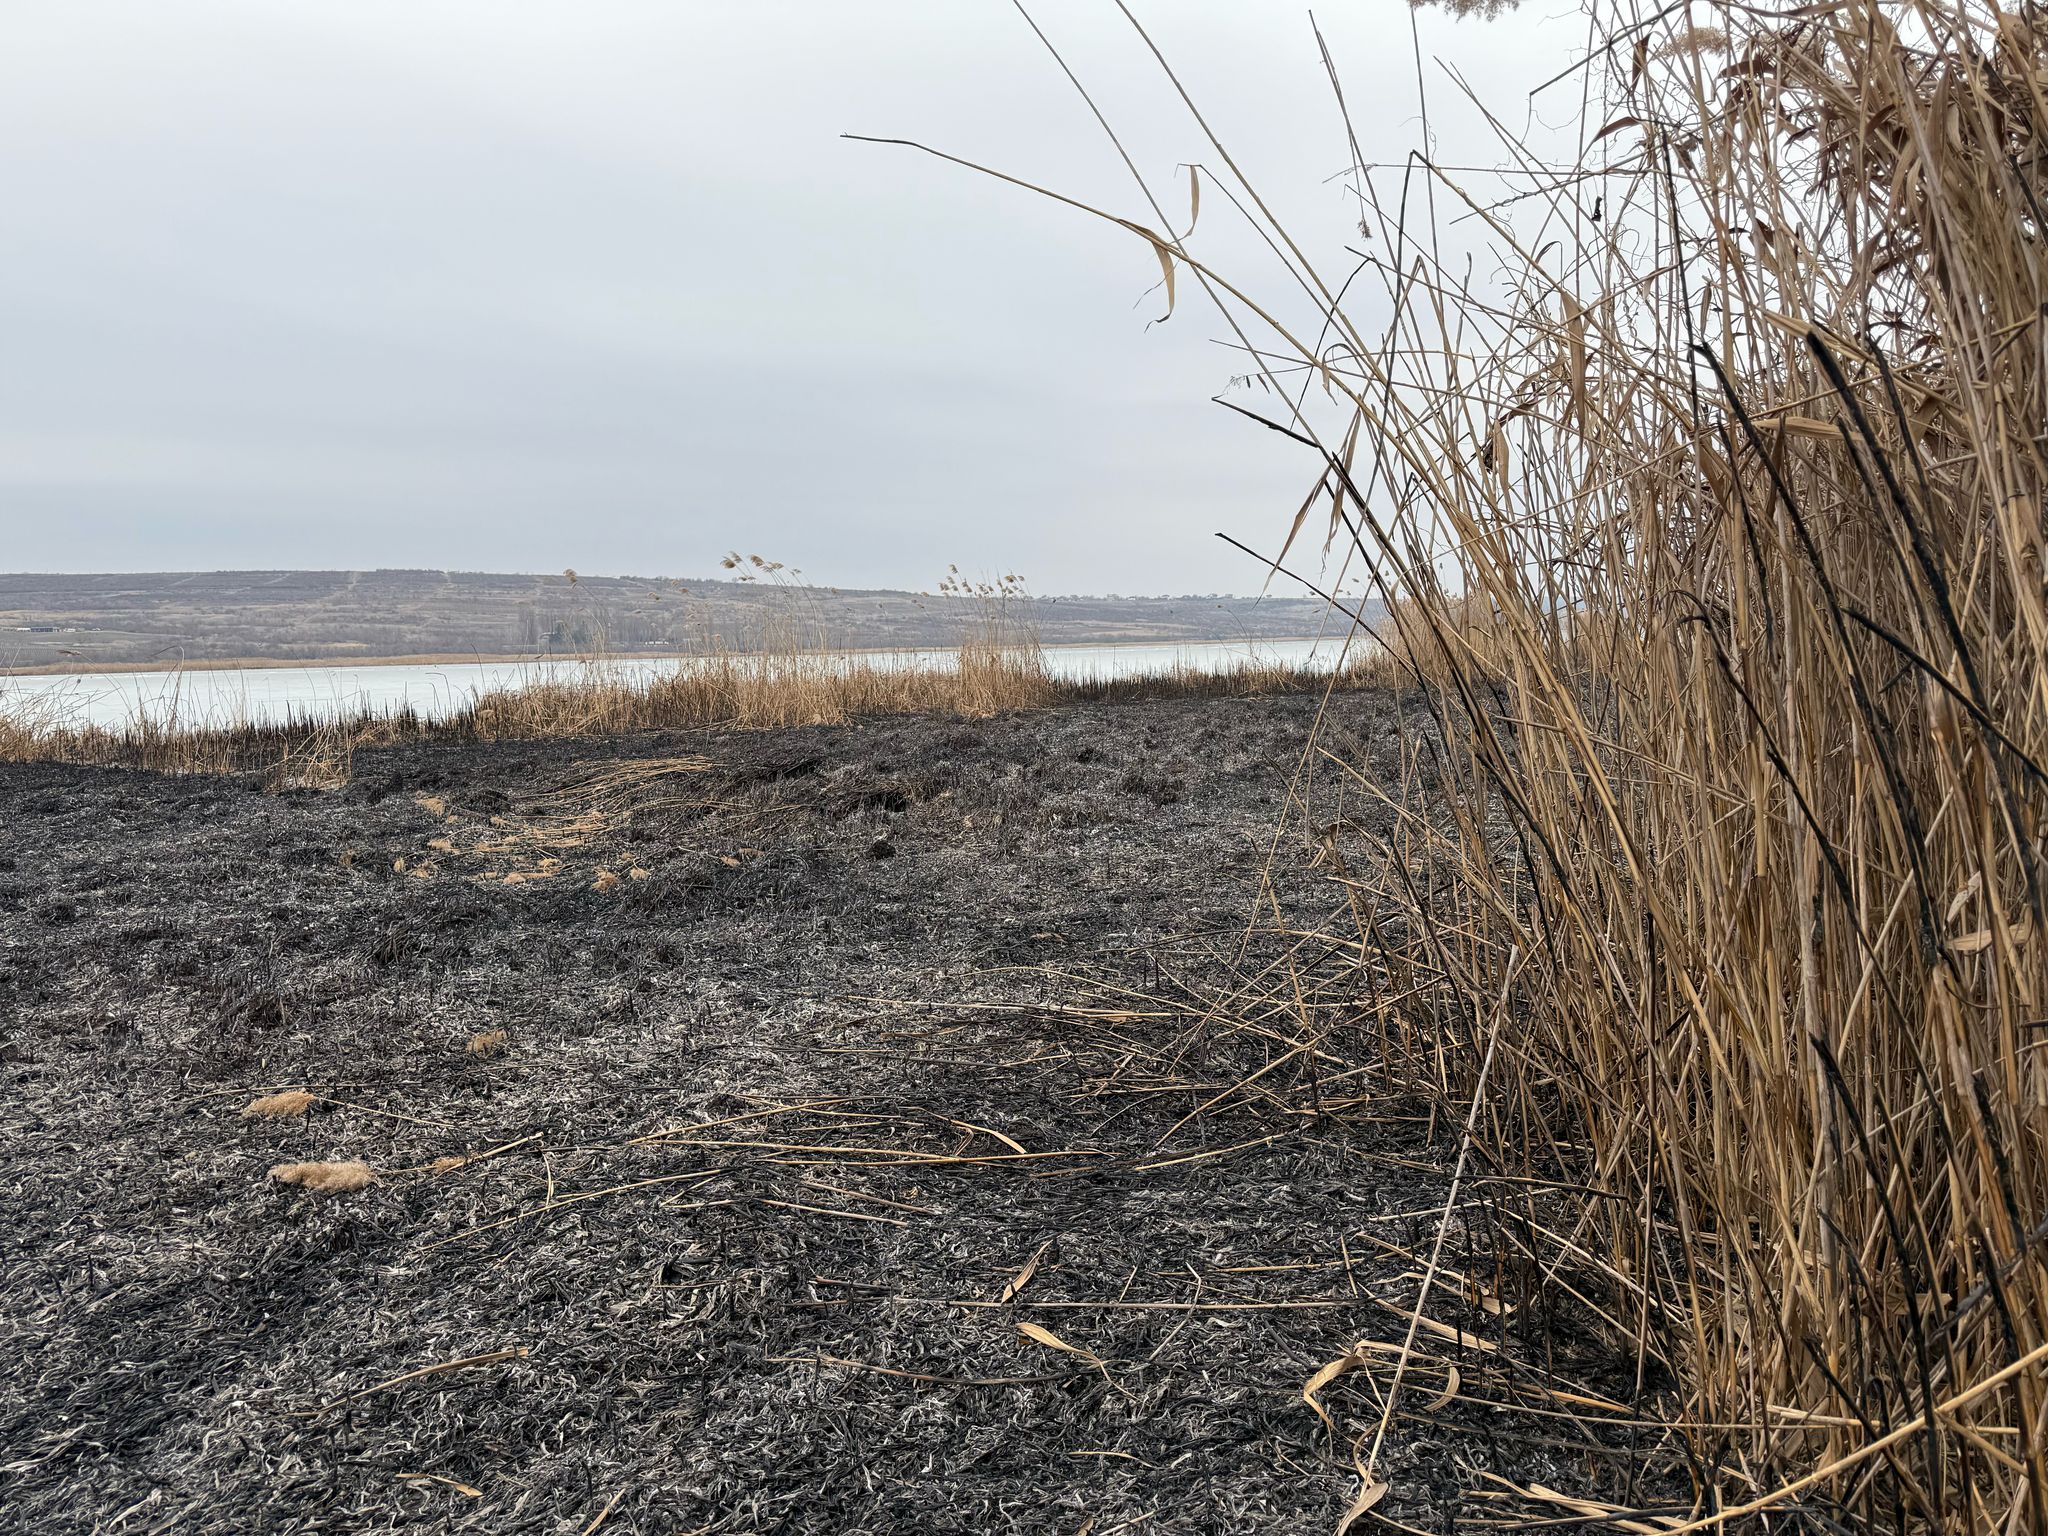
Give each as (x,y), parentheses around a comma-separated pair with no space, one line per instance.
(264,695)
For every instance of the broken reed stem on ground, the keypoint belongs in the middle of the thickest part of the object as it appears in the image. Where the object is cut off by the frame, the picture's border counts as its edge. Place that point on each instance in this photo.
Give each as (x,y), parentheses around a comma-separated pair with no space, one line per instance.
(1708,503)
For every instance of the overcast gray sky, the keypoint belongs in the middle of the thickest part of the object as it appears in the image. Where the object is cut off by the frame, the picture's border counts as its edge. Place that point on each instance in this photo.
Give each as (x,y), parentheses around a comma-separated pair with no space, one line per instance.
(523,286)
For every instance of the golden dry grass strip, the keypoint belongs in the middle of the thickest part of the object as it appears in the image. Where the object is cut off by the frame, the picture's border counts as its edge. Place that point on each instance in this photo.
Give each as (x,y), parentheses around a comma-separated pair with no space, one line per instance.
(800,683)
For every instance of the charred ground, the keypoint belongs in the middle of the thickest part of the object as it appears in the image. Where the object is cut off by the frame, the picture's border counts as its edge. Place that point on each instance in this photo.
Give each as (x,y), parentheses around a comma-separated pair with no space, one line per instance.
(815,1041)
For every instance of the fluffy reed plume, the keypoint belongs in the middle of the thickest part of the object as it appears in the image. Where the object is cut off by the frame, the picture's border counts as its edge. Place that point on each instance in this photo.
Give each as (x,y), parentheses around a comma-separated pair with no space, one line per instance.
(328,1178)
(1709,502)
(486,1043)
(292,1104)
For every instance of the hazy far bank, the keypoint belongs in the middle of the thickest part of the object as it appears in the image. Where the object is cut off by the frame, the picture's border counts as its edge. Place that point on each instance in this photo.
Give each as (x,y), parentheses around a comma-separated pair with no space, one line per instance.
(76,623)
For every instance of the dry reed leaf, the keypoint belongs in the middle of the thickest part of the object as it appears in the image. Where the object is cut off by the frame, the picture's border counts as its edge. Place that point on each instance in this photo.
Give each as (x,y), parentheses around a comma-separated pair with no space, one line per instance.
(728,861)
(1286,544)
(486,1043)
(1805,426)
(1165,254)
(329,1178)
(1575,355)
(968,1125)
(442,844)
(1609,1513)
(1369,1494)
(1051,1340)
(1962,897)
(1491,1302)
(433,804)
(1351,1359)
(434,1477)
(1023,1276)
(289,1105)
(610,1504)
(398,866)
(1452,1381)
(1457,1336)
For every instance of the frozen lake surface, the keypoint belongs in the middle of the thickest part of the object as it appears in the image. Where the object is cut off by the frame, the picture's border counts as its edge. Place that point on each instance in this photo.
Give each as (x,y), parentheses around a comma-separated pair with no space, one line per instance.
(267,695)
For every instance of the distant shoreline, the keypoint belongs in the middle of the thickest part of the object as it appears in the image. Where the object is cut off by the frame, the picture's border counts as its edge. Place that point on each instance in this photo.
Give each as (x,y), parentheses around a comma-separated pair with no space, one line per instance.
(287,663)
(460,659)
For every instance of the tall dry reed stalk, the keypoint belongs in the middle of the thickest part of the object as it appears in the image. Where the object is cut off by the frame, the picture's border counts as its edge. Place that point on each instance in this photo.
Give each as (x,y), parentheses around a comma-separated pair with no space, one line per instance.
(1001,662)
(1716,528)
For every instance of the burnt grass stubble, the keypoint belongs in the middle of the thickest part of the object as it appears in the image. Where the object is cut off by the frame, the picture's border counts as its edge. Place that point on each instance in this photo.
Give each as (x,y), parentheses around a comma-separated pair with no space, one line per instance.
(169,1316)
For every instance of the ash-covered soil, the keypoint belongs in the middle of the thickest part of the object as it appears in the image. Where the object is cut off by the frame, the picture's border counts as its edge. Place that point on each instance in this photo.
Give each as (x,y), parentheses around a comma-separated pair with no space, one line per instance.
(831,1175)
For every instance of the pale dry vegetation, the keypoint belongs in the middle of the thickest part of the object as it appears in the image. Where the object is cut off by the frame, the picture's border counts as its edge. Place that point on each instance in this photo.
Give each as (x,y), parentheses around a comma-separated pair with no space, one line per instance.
(1713,514)
(290,1104)
(795,676)
(336,1178)
(759,689)
(796,679)
(312,754)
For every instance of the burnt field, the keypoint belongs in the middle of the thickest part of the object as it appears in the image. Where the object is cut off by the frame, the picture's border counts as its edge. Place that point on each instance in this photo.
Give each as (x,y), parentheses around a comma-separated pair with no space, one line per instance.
(815,1130)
